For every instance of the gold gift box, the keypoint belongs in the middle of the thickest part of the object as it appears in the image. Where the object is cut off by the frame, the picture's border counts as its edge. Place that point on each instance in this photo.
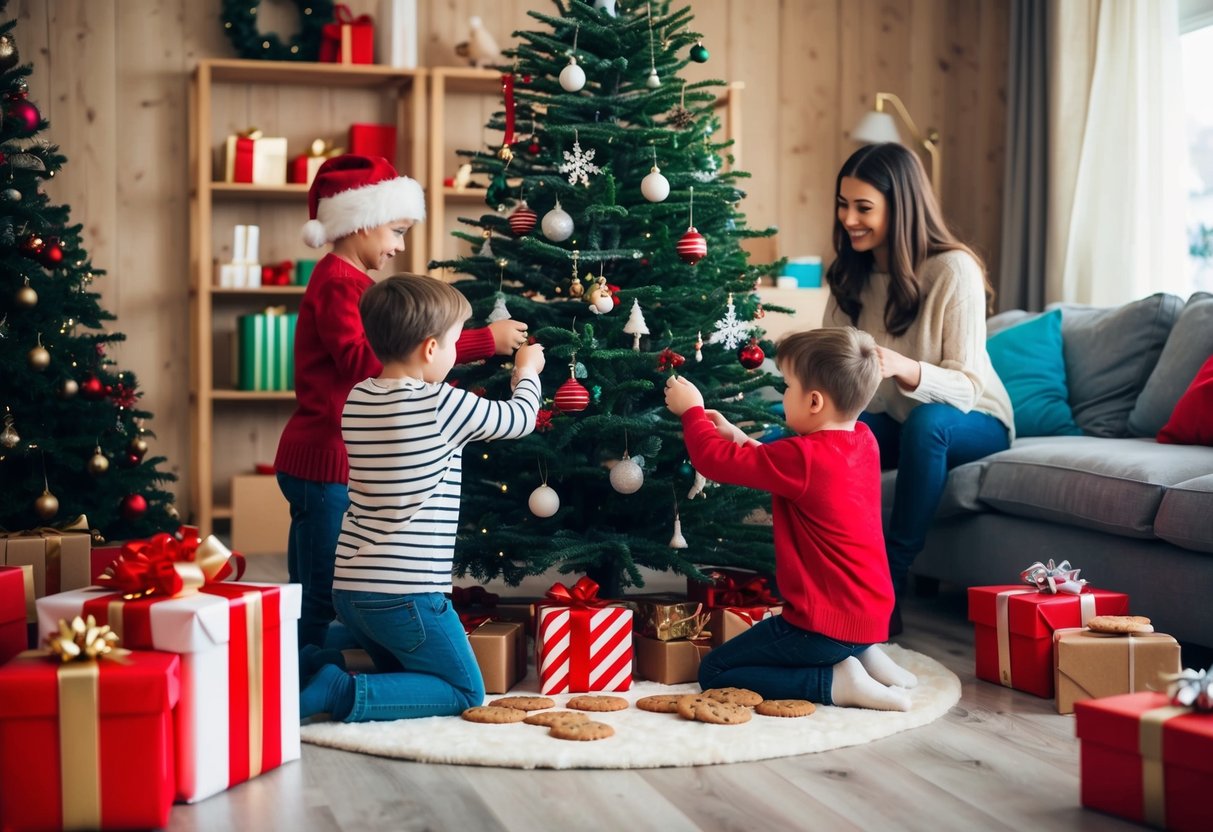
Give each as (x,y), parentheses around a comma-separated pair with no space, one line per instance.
(500,648)
(1094,665)
(668,662)
(60,559)
(667,619)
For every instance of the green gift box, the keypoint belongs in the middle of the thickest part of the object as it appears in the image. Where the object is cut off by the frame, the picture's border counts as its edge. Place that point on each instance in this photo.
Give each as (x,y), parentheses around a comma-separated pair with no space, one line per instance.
(266,350)
(303,271)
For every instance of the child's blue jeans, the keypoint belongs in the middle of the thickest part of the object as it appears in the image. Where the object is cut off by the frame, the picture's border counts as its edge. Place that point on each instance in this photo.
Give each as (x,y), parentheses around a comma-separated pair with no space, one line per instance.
(317,509)
(777,660)
(417,642)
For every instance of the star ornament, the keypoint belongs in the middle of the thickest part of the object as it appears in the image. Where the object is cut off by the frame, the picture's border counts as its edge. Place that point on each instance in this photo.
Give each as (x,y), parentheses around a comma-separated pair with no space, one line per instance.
(579,164)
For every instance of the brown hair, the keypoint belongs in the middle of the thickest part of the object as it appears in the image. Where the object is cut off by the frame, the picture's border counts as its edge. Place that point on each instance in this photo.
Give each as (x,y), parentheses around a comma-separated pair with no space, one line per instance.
(400,312)
(917,230)
(841,361)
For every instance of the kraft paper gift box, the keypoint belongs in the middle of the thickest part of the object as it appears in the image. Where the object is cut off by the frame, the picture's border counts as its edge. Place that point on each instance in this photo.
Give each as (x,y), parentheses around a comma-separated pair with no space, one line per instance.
(1013,628)
(255,159)
(1094,665)
(16,609)
(669,662)
(1147,760)
(500,648)
(239,711)
(730,622)
(582,643)
(60,558)
(114,720)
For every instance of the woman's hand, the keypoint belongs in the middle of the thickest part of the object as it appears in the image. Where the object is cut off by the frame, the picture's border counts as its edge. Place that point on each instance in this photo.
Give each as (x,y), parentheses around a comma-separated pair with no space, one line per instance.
(508,335)
(681,395)
(893,364)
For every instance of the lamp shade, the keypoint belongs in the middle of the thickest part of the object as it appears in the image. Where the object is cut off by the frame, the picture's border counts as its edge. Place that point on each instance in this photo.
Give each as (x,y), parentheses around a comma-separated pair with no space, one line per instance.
(876,128)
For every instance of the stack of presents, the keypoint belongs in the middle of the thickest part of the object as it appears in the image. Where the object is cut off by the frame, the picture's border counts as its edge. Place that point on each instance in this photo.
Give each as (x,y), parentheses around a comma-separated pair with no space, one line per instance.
(156,676)
(1146,728)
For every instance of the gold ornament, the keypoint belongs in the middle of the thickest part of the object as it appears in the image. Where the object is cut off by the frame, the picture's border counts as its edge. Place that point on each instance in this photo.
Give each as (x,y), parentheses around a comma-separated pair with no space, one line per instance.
(138,445)
(82,639)
(575,288)
(26,296)
(8,53)
(47,505)
(9,437)
(505,154)
(68,388)
(39,358)
(98,463)
(171,511)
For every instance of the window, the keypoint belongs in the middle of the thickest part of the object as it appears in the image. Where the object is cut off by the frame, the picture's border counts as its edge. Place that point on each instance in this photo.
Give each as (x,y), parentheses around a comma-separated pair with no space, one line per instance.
(1196,42)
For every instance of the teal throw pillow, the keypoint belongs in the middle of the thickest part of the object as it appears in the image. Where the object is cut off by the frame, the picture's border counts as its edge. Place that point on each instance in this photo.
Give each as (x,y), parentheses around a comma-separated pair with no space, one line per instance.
(1029,360)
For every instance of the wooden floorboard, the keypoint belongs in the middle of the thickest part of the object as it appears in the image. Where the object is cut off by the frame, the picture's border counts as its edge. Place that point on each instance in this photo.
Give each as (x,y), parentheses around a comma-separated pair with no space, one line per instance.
(998,760)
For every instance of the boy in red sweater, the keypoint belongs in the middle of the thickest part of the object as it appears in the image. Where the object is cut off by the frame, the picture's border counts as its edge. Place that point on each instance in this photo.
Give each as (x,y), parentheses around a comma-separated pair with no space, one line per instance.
(830,561)
(361,206)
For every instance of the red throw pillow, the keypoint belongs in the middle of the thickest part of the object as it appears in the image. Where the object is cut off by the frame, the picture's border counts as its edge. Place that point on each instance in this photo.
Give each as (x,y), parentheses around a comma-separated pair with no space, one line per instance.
(1191,421)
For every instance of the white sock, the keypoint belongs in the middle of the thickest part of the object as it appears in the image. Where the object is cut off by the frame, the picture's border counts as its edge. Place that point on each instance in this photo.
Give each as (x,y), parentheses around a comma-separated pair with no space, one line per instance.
(853,687)
(884,670)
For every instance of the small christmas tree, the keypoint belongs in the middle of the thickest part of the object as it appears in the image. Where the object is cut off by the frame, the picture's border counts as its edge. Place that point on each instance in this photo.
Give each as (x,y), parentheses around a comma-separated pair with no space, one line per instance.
(636,210)
(73,439)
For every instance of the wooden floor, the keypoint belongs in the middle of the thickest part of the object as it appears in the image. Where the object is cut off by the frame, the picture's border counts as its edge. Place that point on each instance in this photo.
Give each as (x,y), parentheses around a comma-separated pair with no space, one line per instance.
(999,760)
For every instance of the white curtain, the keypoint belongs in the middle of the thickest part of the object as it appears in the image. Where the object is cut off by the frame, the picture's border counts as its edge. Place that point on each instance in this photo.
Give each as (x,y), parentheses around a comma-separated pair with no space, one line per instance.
(1117,152)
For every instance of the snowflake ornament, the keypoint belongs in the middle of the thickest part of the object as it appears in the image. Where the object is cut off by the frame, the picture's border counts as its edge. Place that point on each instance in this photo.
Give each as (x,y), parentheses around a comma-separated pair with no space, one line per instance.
(730,331)
(579,164)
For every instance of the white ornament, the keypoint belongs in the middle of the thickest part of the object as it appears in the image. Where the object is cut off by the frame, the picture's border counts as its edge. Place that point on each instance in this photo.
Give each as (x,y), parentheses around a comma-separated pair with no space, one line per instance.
(500,311)
(579,164)
(653,81)
(655,187)
(607,6)
(729,330)
(603,305)
(627,476)
(572,77)
(699,487)
(699,346)
(544,501)
(678,541)
(486,250)
(636,325)
(557,225)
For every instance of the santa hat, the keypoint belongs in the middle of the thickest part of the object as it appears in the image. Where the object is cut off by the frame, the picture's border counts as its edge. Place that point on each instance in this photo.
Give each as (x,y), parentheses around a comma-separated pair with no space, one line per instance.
(351,193)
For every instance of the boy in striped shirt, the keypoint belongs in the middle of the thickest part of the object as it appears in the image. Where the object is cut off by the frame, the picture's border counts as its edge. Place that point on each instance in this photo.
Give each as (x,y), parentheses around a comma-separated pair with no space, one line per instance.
(404,432)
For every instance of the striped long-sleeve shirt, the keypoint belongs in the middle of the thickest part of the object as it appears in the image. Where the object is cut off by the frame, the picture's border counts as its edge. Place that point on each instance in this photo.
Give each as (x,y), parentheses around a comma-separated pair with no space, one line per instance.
(405,440)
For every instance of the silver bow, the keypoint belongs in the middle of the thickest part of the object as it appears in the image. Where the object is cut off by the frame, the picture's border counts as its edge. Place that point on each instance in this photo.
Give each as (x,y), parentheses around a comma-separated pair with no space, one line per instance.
(1192,689)
(1054,579)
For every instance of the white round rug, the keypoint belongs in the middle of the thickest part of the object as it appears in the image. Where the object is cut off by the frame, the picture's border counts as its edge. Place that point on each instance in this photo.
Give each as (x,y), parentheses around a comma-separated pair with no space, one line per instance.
(643,739)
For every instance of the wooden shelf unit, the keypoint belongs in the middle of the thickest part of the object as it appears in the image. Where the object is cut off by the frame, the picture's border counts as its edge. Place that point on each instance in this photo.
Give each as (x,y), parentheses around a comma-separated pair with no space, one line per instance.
(232,429)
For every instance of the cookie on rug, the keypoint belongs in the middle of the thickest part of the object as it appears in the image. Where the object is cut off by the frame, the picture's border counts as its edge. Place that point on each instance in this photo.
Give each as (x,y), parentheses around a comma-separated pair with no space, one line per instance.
(687,702)
(1120,624)
(550,718)
(785,707)
(736,696)
(490,715)
(715,712)
(588,730)
(661,703)
(597,703)
(524,703)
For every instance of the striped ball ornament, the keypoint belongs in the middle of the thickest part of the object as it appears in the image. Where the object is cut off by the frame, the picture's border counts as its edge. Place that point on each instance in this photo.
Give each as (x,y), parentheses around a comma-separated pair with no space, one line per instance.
(522,221)
(692,247)
(572,397)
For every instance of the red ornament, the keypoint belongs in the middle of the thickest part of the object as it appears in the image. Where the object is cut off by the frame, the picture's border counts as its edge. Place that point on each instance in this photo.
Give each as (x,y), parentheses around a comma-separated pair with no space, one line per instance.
(533,148)
(543,420)
(528,78)
(751,356)
(24,113)
(133,507)
(522,221)
(692,247)
(52,252)
(33,246)
(572,397)
(123,395)
(614,290)
(667,359)
(132,459)
(92,388)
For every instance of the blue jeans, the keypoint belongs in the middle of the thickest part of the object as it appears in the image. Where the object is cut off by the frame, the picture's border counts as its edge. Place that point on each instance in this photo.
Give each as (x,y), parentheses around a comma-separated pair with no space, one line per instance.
(418,642)
(316,512)
(777,660)
(933,440)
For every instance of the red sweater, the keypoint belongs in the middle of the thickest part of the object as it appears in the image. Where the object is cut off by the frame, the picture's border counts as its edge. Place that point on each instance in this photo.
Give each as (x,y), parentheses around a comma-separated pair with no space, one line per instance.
(331,356)
(830,560)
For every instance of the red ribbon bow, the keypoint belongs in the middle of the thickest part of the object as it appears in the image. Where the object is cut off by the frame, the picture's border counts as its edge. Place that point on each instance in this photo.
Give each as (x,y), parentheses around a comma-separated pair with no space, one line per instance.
(473,596)
(343,15)
(749,593)
(582,595)
(168,565)
(472,622)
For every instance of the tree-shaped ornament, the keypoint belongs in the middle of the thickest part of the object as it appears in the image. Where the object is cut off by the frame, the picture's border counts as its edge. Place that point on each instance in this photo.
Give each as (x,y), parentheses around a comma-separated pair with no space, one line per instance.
(636,325)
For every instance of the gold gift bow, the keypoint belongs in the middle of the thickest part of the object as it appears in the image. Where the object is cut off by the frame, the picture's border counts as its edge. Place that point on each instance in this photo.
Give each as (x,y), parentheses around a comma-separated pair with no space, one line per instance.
(253,133)
(322,149)
(697,620)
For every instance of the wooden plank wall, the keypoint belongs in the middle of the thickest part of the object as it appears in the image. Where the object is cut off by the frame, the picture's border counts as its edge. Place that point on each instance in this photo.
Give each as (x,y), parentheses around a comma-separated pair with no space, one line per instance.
(111,76)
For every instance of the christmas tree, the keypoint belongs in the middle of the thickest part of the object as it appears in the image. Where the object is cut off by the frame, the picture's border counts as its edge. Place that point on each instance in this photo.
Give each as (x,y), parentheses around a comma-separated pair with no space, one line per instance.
(73,439)
(614,232)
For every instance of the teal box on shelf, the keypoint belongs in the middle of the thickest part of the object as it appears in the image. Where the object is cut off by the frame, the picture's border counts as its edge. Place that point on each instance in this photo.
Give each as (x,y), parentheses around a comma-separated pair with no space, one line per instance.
(806,271)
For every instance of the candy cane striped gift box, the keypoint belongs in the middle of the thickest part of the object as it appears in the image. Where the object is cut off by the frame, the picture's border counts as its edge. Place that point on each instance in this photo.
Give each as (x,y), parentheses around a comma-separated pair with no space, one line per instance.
(582,649)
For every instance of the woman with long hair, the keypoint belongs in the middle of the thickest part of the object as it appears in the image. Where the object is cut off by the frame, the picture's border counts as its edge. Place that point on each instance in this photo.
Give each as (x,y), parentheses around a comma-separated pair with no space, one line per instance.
(901,275)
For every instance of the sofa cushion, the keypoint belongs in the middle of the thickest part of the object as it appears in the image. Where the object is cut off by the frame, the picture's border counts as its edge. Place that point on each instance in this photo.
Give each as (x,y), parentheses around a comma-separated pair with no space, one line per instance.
(1028,359)
(1188,346)
(959,494)
(1110,354)
(1111,485)
(1185,517)
(1191,422)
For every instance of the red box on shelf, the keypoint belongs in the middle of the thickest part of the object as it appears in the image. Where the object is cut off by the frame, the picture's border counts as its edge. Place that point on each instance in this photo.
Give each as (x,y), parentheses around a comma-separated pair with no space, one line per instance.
(119,774)
(348,39)
(1147,761)
(374,140)
(1013,628)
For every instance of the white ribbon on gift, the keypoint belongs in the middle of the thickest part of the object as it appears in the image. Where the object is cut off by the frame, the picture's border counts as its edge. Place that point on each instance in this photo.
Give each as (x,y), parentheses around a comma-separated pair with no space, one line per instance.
(1086,603)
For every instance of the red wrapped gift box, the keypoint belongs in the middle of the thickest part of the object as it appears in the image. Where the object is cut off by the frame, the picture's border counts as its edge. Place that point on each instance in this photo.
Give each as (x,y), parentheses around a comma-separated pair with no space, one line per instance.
(374,140)
(731,588)
(349,39)
(582,643)
(1146,760)
(1013,627)
(16,609)
(114,720)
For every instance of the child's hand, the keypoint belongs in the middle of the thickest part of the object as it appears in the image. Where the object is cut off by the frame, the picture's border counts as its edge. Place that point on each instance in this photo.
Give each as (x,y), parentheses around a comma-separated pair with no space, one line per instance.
(681,395)
(508,335)
(529,357)
(725,428)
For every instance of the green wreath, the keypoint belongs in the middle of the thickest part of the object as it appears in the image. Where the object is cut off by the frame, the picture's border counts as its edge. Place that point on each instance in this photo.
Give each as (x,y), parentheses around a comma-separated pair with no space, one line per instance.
(240,23)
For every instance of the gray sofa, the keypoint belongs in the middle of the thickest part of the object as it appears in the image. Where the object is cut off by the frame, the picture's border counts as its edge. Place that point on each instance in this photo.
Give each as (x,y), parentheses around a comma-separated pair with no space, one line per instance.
(1135,515)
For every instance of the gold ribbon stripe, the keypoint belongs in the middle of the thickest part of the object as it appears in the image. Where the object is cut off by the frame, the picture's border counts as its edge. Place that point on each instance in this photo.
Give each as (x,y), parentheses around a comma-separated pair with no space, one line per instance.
(1149,739)
(80,745)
